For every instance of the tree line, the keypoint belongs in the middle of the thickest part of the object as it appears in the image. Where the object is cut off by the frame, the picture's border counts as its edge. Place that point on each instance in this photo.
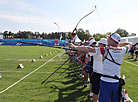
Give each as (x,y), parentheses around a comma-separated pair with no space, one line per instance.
(83,35)
(31,35)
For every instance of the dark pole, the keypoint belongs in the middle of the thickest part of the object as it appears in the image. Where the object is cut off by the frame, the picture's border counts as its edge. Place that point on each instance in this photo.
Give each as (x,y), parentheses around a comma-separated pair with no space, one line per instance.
(54,72)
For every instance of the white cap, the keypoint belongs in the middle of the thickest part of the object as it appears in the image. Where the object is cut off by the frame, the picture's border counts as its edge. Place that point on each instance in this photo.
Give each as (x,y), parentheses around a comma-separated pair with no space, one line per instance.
(116,37)
(92,41)
(103,41)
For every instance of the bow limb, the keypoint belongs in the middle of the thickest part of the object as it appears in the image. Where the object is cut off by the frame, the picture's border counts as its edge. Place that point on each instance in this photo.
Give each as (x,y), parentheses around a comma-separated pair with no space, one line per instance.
(74,34)
(75,30)
(85,16)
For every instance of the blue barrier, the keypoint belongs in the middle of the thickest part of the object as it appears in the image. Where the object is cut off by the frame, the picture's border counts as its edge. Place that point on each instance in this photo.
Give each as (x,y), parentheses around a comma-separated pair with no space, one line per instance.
(49,42)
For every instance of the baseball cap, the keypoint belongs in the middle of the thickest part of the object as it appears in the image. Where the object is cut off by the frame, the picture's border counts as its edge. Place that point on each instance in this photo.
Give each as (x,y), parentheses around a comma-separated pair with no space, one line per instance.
(116,37)
(103,41)
(91,38)
(92,41)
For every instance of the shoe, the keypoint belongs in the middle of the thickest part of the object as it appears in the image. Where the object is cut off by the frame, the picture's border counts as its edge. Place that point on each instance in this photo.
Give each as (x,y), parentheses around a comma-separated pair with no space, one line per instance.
(90,97)
(135,60)
(85,85)
(81,75)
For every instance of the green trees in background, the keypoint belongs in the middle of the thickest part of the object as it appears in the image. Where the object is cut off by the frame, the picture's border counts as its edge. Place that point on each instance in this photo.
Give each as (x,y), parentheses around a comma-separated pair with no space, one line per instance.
(122,32)
(99,36)
(82,34)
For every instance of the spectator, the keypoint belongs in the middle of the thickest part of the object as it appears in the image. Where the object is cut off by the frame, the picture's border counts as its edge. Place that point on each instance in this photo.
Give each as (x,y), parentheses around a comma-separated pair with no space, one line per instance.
(132,51)
(136,51)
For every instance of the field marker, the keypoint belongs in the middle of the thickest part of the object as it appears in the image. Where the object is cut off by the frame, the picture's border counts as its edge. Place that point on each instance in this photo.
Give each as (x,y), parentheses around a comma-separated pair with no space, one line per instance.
(131,63)
(27,75)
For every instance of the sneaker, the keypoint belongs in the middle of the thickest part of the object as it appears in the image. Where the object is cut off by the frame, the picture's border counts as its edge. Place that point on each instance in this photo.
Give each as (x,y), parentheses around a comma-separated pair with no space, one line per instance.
(90,97)
(85,85)
(81,75)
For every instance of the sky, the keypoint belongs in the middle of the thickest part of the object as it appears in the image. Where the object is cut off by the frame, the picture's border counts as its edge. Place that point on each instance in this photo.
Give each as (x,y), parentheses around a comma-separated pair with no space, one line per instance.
(40,15)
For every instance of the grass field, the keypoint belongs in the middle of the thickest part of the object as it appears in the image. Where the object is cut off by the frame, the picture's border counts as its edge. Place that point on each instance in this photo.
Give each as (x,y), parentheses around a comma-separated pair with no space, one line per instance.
(24,85)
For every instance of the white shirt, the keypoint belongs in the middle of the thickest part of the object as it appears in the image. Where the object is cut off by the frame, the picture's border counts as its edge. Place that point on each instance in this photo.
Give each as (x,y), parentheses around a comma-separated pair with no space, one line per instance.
(110,68)
(97,62)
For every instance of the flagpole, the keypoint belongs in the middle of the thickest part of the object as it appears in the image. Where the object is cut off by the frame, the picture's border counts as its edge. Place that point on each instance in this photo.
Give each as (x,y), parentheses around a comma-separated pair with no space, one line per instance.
(57,26)
(58,30)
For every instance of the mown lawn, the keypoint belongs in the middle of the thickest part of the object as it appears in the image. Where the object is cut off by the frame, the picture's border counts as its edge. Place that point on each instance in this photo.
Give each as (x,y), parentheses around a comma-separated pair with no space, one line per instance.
(65,88)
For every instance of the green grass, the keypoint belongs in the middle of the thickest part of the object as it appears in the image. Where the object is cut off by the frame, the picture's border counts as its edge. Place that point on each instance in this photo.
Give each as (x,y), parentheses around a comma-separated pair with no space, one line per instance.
(131,74)
(65,88)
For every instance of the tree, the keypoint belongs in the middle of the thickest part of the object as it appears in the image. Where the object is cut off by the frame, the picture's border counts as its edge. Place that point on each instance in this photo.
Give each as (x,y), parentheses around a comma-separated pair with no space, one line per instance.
(133,34)
(109,33)
(5,33)
(69,35)
(98,36)
(81,34)
(122,32)
(87,35)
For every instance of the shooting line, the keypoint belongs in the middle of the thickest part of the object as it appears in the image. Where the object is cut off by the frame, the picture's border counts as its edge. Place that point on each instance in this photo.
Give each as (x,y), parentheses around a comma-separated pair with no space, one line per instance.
(130,63)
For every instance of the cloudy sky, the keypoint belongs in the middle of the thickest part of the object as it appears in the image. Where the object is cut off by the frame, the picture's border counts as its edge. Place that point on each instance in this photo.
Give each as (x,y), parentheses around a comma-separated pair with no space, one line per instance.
(40,15)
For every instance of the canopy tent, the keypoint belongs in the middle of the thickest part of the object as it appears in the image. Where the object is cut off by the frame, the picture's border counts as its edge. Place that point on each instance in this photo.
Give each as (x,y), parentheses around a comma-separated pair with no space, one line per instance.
(76,39)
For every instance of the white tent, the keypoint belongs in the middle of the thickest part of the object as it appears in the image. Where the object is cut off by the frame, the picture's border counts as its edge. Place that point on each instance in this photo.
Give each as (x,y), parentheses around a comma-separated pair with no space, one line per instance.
(76,39)
(133,39)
